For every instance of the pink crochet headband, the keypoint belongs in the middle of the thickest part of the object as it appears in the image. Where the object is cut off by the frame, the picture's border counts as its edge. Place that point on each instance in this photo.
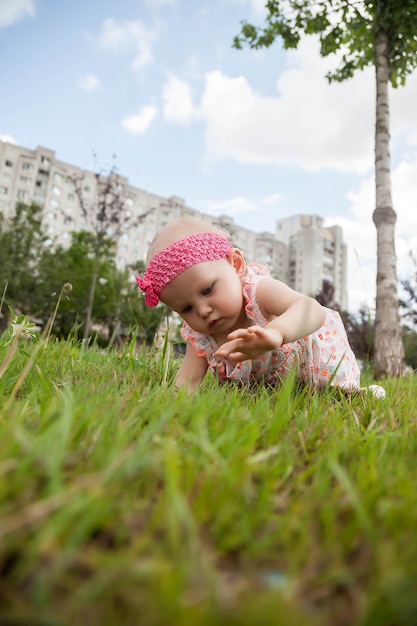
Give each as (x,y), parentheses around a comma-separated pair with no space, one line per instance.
(178,257)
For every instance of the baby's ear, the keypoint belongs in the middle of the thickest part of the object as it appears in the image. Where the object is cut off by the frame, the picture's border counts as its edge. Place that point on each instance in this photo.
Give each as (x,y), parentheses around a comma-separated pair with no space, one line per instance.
(237,259)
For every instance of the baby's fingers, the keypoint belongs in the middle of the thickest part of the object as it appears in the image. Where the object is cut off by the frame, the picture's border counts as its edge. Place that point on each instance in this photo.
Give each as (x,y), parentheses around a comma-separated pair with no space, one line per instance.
(230,346)
(240,333)
(245,333)
(237,357)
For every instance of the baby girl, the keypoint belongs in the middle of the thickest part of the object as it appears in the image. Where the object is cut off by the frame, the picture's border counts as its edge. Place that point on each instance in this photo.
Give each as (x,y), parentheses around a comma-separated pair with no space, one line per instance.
(239,322)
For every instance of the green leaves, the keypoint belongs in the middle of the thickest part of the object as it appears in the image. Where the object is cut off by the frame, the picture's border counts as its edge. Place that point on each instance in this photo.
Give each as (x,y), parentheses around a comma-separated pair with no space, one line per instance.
(342,26)
(19,326)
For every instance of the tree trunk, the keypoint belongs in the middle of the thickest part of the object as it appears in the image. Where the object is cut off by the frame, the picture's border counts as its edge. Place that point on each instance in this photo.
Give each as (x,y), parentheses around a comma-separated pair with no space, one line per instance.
(389,349)
(89,309)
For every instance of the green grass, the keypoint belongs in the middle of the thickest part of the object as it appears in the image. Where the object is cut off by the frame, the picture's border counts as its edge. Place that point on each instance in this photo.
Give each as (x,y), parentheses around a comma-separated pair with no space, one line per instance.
(125,501)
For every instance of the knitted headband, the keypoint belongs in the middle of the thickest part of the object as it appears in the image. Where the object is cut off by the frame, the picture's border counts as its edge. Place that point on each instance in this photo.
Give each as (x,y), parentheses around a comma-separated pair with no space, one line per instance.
(178,257)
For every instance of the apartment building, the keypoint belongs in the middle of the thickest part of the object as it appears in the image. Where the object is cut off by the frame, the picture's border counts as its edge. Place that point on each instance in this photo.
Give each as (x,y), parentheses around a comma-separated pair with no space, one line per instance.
(315,254)
(301,252)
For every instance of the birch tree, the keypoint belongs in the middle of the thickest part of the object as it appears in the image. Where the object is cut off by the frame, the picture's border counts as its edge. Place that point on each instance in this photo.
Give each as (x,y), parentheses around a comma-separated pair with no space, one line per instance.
(381,33)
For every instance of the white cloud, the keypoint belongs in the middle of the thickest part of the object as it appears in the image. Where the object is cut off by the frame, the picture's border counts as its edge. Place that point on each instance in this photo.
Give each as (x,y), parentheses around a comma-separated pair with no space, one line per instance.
(139,124)
(240,207)
(257,6)
(231,207)
(8,139)
(178,104)
(273,198)
(309,123)
(403,116)
(89,82)
(12,11)
(128,36)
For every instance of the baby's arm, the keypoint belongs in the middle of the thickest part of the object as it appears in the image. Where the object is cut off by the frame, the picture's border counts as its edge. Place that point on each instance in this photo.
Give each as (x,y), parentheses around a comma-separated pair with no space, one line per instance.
(290,316)
(192,369)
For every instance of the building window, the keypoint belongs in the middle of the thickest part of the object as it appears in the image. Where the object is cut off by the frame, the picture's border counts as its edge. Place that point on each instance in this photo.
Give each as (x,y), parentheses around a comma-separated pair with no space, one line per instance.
(57,177)
(39,197)
(67,220)
(71,196)
(45,160)
(43,172)
(56,190)
(54,203)
(25,180)
(21,193)
(8,163)
(86,188)
(27,166)
(3,190)
(6,175)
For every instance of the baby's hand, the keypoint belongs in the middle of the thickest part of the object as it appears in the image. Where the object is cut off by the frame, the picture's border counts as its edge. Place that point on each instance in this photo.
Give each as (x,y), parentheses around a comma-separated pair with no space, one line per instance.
(249,343)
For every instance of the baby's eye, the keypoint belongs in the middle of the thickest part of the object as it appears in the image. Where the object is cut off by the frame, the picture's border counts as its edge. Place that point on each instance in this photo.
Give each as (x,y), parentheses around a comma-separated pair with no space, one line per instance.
(207,290)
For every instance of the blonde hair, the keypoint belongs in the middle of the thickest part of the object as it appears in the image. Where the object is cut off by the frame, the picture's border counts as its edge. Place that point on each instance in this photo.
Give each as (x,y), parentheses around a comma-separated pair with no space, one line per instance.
(179,229)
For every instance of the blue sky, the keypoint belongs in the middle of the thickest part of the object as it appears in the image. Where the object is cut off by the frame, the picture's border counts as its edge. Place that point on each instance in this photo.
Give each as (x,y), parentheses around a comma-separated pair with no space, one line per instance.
(258,135)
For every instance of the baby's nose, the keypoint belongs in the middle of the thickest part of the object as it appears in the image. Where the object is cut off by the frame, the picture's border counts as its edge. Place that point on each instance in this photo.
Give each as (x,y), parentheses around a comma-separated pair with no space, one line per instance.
(204,309)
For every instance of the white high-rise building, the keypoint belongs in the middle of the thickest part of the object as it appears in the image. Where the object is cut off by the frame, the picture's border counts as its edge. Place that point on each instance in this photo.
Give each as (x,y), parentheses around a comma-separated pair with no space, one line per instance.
(315,254)
(300,252)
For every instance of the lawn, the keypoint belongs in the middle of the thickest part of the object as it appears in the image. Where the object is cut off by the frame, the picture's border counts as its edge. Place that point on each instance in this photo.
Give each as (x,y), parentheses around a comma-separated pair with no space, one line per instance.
(123,501)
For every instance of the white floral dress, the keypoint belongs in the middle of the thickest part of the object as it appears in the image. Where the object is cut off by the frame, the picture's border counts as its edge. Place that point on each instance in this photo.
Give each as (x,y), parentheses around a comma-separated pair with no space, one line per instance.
(322,358)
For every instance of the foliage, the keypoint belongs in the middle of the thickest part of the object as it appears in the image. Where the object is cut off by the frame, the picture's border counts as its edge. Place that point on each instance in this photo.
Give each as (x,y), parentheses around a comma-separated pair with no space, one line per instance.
(408,302)
(360,328)
(107,214)
(117,307)
(19,325)
(343,27)
(22,245)
(33,274)
(408,305)
(75,266)
(410,347)
(145,319)
(124,501)
(326,295)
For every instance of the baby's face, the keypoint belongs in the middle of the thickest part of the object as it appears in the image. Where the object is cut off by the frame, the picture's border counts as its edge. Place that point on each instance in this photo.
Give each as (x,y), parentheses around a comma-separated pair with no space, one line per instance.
(208,296)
